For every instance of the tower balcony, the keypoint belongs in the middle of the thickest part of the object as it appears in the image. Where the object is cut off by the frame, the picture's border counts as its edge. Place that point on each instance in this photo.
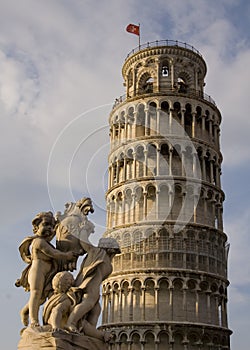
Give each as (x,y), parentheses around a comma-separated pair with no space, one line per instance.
(178,90)
(163,43)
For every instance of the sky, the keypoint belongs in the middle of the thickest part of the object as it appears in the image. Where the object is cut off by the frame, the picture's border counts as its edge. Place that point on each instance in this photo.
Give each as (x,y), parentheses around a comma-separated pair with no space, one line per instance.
(60,72)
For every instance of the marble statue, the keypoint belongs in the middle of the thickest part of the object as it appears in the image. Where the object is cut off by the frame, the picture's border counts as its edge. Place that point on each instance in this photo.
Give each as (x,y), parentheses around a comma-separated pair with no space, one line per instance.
(43,260)
(72,307)
(60,304)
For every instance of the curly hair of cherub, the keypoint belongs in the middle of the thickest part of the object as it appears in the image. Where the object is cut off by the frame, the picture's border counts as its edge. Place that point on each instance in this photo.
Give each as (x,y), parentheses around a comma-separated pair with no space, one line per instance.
(39,217)
(58,282)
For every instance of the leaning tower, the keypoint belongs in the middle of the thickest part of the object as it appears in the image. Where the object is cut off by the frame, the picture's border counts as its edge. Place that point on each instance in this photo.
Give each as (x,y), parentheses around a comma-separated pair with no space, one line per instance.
(168,289)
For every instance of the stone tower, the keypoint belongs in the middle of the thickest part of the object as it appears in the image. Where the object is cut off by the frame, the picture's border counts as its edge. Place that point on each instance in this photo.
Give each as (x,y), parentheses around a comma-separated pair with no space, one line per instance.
(168,289)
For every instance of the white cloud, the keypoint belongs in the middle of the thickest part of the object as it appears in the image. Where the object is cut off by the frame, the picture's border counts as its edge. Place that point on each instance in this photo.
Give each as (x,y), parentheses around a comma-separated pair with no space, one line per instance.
(17,87)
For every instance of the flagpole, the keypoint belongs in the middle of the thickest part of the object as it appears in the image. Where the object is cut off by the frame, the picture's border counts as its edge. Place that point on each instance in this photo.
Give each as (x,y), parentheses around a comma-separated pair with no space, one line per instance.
(139,36)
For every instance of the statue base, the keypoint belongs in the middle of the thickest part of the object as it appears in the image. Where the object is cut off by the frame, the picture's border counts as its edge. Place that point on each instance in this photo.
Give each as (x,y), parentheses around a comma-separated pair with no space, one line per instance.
(40,338)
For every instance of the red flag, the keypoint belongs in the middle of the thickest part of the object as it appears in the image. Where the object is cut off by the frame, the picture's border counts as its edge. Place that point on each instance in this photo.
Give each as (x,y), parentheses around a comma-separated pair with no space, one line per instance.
(134,29)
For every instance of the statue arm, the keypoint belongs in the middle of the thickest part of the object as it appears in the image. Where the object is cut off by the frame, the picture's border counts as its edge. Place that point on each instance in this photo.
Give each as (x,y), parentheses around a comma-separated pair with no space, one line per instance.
(87,246)
(52,252)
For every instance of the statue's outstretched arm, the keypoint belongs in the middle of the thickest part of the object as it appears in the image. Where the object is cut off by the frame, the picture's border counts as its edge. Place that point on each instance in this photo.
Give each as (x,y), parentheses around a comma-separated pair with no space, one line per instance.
(54,253)
(87,246)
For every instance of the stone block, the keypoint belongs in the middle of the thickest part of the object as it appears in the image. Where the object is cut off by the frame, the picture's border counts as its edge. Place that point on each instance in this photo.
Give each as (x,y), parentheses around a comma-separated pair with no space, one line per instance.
(37,339)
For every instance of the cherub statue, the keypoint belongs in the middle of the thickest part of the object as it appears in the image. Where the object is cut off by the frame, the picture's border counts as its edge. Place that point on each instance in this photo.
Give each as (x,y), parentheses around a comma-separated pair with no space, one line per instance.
(43,260)
(62,302)
(58,307)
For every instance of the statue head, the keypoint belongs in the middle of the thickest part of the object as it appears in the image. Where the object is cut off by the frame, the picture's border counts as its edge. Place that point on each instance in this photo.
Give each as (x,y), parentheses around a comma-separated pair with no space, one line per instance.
(62,281)
(74,225)
(44,224)
(85,205)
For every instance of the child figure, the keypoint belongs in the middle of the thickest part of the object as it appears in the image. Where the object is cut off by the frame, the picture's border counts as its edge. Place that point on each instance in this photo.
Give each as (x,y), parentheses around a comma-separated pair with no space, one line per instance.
(43,265)
(59,306)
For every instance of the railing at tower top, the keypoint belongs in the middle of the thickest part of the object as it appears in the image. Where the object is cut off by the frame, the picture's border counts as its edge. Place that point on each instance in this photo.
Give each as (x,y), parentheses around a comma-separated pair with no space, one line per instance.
(158,43)
(192,93)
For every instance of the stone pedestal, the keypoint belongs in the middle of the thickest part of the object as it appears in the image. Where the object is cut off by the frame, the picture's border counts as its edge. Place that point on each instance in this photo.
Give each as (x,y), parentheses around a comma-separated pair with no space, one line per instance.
(37,339)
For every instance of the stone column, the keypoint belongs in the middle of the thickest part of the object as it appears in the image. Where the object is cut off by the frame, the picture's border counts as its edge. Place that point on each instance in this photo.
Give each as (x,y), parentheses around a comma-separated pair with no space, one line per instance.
(170,161)
(193,124)
(170,120)
(134,125)
(145,164)
(194,159)
(117,170)
(203,120)
(157,162)
(157,303)
(123,210)
(131,304)
(142,344)
(119,305)
(116,213)
(182,163)
(213,201)
(133,207)
(144,205)
(197,305)
(104,306)
(210,129)
(143,289)
(158,110)
(170,203)
(124,177)
(205,210)
(126,127)
(171,288)
(217,309)
(185,301)
(217,175)
(111,175)
(203,168)
(208,306)
(134,166)
(113,133)
(147,131)
(119,131)
(220,220)
(112,293)
(212,180)
(156,211)
(183,121)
